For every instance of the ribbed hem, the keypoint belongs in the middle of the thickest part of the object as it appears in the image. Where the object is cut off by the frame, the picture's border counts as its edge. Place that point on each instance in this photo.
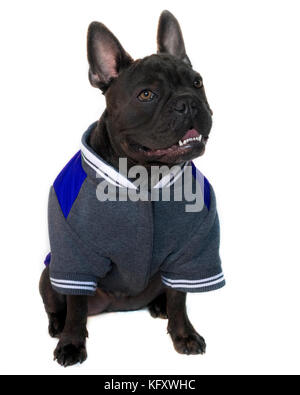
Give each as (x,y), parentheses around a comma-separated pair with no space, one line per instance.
(73,284)
(207,284)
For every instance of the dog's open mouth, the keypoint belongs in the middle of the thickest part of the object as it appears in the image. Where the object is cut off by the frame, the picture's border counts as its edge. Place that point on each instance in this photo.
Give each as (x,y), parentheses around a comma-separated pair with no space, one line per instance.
(191,140)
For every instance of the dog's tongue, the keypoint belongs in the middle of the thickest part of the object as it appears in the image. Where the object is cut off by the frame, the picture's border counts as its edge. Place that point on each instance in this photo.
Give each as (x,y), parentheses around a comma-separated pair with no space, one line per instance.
(190,134)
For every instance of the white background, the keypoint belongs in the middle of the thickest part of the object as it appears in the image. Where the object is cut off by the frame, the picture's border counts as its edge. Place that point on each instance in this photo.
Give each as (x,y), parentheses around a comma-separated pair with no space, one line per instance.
(248,54)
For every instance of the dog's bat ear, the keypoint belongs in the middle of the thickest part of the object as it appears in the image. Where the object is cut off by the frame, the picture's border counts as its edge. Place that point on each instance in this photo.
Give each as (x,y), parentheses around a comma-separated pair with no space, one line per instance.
(106,56)
(169,37)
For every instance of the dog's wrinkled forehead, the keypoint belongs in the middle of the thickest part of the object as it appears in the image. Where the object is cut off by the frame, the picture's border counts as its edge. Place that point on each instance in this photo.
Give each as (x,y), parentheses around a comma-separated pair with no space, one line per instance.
(161,71)
(164,68)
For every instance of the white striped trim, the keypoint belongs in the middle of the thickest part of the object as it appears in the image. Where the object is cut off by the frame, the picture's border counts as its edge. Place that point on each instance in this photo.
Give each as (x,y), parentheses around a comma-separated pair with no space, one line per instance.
(115,178)
(73,282)
(170,179)
(100,167)
(194,283)
(179,174)
(93,289)
(76,285)
(103,175)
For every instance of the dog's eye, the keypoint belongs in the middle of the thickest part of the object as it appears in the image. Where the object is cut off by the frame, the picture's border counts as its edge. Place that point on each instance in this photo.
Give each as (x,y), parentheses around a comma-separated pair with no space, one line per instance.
(146,95)
(198,83)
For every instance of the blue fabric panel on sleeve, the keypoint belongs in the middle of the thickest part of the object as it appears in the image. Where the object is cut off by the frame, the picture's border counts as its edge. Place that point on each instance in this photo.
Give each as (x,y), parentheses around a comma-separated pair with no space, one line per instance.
(206,193)
(47,259)
(194,170)
(206,186)
(68,183)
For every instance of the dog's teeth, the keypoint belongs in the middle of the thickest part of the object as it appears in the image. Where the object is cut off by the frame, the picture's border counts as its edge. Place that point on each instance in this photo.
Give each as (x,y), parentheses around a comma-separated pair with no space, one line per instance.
(183,142)
(199,138)
(188,140)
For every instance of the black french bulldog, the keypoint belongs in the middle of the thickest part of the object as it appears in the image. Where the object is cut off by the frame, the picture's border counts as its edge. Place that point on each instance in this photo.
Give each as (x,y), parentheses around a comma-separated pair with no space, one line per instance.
(151,104)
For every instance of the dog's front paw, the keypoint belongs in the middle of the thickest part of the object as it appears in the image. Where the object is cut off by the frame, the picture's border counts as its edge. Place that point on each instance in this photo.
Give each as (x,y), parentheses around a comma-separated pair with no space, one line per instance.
(56,323)
(68,354)
(191,343)
(158,307)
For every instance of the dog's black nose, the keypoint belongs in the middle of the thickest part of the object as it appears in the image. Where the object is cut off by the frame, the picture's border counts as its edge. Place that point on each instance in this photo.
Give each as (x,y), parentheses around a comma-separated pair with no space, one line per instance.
(184,105)
(181,106)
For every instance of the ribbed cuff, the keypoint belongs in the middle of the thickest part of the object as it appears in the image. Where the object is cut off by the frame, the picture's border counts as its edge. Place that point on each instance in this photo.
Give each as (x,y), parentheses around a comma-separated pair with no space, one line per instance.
(73,284)
(185,284)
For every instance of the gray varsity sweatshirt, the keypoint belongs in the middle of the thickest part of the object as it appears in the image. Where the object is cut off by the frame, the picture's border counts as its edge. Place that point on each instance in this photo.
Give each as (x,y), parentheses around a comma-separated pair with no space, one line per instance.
(120,245)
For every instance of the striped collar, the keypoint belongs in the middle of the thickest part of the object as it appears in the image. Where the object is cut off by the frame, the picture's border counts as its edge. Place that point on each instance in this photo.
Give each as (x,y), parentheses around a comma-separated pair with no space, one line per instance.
(110,174)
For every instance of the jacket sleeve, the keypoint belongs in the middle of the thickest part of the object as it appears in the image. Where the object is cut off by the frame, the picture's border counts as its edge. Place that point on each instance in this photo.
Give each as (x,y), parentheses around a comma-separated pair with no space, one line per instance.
(196,266)
(75,267)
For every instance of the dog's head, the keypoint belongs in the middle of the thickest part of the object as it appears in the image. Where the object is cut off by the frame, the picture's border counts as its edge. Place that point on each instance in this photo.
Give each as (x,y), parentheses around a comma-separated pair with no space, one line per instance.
(157,111)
